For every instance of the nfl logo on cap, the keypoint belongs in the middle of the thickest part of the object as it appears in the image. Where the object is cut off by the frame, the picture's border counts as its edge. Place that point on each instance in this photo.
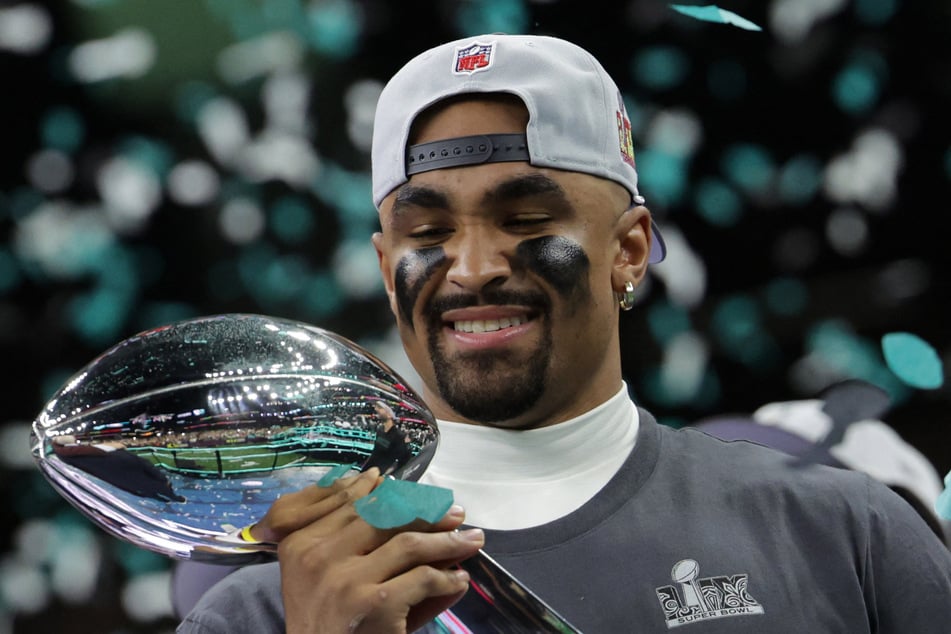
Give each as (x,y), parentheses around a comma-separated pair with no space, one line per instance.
(472,59)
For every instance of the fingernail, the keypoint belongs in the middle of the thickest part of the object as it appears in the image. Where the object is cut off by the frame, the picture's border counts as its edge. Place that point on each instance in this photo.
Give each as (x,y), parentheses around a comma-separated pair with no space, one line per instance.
(456,511)
(474,535)
(460,576)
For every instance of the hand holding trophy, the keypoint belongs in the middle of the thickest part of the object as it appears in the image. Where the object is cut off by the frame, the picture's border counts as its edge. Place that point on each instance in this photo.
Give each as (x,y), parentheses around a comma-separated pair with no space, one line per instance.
(181,438)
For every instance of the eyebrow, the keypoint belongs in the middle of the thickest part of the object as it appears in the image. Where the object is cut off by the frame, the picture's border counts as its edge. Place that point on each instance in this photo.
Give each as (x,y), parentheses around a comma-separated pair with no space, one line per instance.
(515,188)
(525,186)
(416,196)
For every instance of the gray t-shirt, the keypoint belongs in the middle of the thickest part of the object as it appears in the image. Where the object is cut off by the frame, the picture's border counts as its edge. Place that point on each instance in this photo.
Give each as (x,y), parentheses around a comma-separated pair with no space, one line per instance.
(702,534)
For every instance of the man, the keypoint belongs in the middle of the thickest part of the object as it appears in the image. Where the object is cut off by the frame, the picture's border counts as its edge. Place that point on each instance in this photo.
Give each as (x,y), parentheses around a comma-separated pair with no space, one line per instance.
(513,234)
(391,444)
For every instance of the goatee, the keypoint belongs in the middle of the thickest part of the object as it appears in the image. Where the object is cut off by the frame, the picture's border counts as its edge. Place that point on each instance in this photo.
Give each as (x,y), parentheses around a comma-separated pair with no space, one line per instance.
(491,386)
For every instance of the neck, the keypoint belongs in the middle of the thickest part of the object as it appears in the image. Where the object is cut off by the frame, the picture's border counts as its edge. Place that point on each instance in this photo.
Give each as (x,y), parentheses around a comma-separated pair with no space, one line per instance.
(510,479)
(551,409)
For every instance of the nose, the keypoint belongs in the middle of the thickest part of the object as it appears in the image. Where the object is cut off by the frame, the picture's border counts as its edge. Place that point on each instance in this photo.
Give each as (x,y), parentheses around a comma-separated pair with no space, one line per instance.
(478,257)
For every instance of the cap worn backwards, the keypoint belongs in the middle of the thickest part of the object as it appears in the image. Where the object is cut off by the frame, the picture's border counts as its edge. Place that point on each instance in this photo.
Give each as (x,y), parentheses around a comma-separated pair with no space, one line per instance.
(577,120)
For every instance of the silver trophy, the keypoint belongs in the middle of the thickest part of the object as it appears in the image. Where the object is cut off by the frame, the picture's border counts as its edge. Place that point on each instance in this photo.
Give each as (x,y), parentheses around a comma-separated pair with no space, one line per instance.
(176,438)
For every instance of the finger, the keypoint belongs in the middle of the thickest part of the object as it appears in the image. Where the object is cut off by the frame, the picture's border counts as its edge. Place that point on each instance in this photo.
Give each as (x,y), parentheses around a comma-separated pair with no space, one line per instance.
(332,514)
(344,533)
(363,537)
(317,494)
(452,520)
(296,510)
(373,473)
(343,527)
(407,551)
(417,596)
(428,609)
(342,495)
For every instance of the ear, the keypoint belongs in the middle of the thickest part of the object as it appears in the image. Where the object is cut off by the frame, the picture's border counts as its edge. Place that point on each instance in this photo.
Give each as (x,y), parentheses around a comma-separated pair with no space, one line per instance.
(386,270)
(634,236)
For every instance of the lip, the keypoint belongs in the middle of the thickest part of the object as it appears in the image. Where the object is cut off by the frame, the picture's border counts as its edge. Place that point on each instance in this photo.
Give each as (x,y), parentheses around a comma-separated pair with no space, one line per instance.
(478,313)
(470,341)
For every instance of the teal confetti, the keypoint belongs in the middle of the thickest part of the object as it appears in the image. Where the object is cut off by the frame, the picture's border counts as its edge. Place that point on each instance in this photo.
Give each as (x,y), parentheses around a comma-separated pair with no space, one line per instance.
(63,128)
(855,89)
(749,166)
(97,316)
(738,325)
(322,296)
(713,13)
(913,360)
(291,220)
(334,474)
(398,502)
(800,179)
(717,203)
(786,296)
(271,278)
(492,16)
(137,561)
(666,172)
(942,505)
(23,200)
(153,154)
(333,28)
(158,313)
(875,12)
(190,98)
(666,321)
(703,395)
(837,347)
(858,86)
(660,68)
(9,271)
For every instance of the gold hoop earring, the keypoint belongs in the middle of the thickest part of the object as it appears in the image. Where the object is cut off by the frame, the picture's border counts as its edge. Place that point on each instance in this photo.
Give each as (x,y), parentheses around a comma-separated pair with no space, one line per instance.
(626,299)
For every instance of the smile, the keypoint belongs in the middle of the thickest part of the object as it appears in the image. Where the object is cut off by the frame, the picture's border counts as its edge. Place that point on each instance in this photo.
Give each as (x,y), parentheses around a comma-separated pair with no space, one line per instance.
(487,325)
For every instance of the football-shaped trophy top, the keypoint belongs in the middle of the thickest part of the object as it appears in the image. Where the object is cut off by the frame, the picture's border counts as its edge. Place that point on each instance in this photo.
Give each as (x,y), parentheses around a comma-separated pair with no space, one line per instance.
(176,438)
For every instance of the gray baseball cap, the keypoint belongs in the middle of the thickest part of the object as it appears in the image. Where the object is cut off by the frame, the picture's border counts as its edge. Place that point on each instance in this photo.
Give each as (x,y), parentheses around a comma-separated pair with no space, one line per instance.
(577,120)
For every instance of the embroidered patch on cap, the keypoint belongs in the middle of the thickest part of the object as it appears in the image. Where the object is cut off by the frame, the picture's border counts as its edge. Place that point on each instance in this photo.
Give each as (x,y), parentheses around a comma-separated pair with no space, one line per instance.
(473,58)
(625,141)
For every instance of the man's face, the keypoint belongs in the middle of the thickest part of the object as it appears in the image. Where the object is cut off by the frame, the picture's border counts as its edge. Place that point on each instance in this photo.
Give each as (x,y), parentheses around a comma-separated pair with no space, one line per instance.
(502,278)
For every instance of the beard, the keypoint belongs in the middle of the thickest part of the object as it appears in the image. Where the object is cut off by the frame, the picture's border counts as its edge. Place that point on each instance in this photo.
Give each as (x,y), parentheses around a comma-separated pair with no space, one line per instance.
(490,386)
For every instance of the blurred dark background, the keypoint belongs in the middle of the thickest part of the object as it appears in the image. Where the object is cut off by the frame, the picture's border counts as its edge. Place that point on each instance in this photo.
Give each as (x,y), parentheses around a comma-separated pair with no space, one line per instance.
(163,160)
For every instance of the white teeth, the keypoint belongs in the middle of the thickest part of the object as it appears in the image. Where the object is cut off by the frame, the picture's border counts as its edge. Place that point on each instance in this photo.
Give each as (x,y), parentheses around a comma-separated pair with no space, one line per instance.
(487,325)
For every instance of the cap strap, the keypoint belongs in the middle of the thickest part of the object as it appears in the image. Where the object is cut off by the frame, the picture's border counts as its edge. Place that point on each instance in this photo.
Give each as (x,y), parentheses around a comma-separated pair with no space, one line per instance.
(466,150)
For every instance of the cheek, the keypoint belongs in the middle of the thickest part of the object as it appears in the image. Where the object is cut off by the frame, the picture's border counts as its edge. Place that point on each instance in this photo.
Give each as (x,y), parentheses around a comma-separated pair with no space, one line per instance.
(559,261)
(412,272)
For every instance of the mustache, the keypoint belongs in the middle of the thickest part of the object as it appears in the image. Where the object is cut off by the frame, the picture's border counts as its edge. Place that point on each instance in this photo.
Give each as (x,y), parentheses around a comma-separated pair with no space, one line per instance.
(492,296)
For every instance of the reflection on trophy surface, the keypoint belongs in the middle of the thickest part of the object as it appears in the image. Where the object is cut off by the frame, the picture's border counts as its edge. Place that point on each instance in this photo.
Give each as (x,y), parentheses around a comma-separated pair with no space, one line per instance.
(176,436)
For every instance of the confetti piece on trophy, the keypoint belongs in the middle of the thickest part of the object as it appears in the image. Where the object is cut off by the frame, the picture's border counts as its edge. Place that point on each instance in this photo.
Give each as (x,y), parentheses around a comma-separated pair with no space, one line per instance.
(399,502)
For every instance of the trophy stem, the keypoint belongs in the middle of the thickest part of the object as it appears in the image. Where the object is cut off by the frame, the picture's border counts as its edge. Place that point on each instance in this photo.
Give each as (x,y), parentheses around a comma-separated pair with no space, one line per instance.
(497,602)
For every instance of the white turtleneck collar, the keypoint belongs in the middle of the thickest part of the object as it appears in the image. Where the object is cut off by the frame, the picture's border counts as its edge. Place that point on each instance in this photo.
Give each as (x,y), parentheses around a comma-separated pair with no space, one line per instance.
(509,479)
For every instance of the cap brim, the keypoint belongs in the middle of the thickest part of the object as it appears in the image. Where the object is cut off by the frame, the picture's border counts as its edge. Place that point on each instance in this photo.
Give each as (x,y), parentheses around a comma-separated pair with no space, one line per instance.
(658,247)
